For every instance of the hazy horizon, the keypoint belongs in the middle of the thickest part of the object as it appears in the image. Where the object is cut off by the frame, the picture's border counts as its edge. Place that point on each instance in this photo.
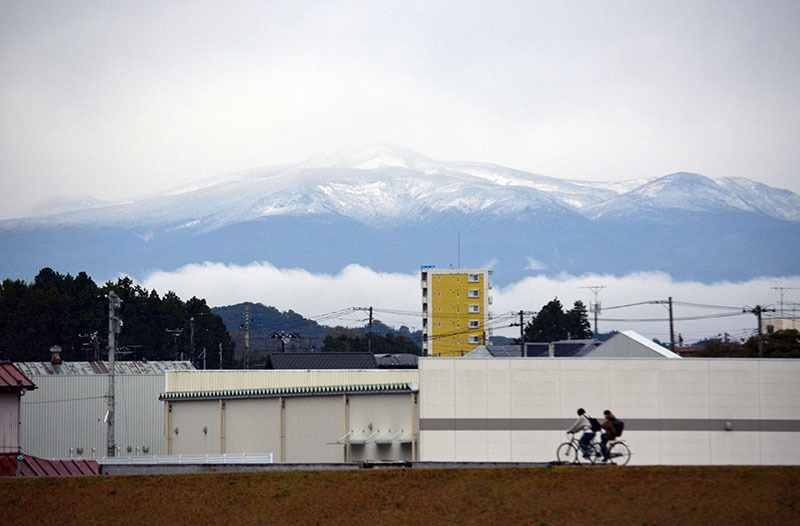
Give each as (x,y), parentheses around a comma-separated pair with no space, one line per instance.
(124,99)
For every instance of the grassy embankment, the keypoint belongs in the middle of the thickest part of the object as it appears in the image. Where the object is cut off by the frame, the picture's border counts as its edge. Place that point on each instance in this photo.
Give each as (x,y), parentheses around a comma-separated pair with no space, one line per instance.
(557,495)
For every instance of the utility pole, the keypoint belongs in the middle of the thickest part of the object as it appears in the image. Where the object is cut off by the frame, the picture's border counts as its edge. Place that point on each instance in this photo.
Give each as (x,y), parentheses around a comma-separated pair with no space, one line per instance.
(191,339)
(220,356)
(175,333)
(114,325)
(671,328)
(522,351)
(758,310)
(369,341)
(246,324)
(595,307)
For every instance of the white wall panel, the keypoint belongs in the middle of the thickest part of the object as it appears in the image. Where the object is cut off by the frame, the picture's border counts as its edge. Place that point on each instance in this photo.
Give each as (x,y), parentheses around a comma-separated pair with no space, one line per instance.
(682,407)
(253,426)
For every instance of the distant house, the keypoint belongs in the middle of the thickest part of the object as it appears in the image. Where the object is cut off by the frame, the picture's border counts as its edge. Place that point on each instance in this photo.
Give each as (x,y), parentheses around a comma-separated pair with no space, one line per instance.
(778,323)
(630,344)
(321,360)
(560,349)
(626,344)
(397,361)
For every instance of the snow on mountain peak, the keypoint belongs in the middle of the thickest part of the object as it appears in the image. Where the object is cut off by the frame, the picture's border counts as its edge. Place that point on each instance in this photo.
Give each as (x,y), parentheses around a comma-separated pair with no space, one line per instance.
(386,183)
(370,158)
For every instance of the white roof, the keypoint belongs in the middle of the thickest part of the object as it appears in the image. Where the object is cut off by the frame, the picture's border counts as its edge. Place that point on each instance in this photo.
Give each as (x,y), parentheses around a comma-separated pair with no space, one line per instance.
(650,344)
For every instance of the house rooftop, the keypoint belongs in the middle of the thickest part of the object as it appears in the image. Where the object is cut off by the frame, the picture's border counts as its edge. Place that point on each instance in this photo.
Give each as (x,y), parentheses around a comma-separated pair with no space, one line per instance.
(321,360)
(12,378)
(89,368)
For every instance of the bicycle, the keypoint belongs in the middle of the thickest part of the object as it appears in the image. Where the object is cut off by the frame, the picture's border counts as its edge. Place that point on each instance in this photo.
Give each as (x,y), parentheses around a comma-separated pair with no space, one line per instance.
(570,452)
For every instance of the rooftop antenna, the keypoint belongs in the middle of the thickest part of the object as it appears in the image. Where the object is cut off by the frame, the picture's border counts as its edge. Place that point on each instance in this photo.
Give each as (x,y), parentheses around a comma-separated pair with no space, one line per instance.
(459,250)
(781,292)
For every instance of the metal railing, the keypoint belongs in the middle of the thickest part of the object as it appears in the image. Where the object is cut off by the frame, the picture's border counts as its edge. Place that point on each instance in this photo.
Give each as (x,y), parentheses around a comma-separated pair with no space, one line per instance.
(224,458)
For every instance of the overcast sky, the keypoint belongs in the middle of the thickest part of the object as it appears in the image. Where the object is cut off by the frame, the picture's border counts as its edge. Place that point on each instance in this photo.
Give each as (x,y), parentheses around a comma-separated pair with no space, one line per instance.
(118,99)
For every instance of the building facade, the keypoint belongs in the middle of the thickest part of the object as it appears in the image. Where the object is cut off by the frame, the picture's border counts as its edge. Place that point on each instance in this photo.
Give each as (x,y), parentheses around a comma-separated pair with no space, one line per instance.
(299,416)
(455,310)
(702,411)
(66,416)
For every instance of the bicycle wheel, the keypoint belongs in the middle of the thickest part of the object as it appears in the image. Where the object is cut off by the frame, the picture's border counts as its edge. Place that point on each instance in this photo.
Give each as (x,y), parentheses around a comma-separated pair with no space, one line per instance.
(567,453)
(619,453)
(594,453)
(589,458)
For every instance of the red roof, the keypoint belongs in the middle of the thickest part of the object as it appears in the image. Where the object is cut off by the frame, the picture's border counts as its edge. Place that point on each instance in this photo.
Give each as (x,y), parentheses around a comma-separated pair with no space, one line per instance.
(11,466)
(12,378)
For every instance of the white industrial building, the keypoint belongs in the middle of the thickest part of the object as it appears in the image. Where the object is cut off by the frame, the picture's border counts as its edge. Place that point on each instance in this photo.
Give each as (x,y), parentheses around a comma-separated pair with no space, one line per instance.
(677,411)
(300,416)
(65,416)
(695,411)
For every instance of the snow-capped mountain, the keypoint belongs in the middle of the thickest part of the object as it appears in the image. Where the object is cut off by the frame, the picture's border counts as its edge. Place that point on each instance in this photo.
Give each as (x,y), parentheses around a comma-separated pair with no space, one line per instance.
(389,184)
(394,209)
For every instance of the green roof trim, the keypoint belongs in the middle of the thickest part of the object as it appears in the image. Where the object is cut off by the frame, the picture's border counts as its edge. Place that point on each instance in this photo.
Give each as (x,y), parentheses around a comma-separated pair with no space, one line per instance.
(274,392)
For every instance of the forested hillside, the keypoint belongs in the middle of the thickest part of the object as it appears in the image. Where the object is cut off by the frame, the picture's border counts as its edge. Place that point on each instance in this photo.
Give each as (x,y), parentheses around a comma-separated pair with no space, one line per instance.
(72,312)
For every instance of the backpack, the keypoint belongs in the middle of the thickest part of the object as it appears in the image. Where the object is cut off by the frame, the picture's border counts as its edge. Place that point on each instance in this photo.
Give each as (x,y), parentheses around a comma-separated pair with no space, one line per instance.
(619,427)
(595,424)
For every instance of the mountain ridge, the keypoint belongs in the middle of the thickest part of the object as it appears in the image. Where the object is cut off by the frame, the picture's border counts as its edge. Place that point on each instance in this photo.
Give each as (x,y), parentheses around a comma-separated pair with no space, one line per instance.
(400,210)
(387,185)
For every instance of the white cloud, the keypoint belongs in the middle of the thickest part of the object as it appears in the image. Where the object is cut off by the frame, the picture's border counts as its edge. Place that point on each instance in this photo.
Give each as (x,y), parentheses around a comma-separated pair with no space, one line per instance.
(535,264)
(397,297)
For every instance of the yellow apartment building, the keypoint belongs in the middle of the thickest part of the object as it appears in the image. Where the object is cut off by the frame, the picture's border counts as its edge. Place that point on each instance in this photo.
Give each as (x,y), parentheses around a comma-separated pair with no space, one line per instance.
(455,310)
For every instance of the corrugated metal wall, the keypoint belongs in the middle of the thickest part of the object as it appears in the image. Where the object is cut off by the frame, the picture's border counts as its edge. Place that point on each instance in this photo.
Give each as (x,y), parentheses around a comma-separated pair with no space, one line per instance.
(181,381)
(9,422)
(67,412)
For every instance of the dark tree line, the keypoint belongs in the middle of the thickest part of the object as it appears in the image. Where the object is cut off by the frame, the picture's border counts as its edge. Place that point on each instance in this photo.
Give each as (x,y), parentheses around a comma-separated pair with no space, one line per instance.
(780,344)
(552,323)
(72,312)
(349,340)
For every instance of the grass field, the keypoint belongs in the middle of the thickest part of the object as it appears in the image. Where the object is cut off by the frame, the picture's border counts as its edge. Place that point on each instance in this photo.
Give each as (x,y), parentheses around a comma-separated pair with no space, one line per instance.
(554,495)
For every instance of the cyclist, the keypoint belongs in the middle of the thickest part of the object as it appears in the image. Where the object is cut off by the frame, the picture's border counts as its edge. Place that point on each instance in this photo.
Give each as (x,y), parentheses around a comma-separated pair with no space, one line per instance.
(583,423)
(608,433)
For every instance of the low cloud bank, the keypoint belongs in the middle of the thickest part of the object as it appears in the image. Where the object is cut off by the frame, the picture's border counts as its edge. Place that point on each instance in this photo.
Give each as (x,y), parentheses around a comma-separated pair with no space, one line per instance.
(397,301)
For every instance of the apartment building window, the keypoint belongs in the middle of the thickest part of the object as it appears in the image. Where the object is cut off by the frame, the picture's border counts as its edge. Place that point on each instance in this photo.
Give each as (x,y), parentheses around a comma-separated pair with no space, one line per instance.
(474,293)
(474,308)
(474,339)
(474,324)
(474,278)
